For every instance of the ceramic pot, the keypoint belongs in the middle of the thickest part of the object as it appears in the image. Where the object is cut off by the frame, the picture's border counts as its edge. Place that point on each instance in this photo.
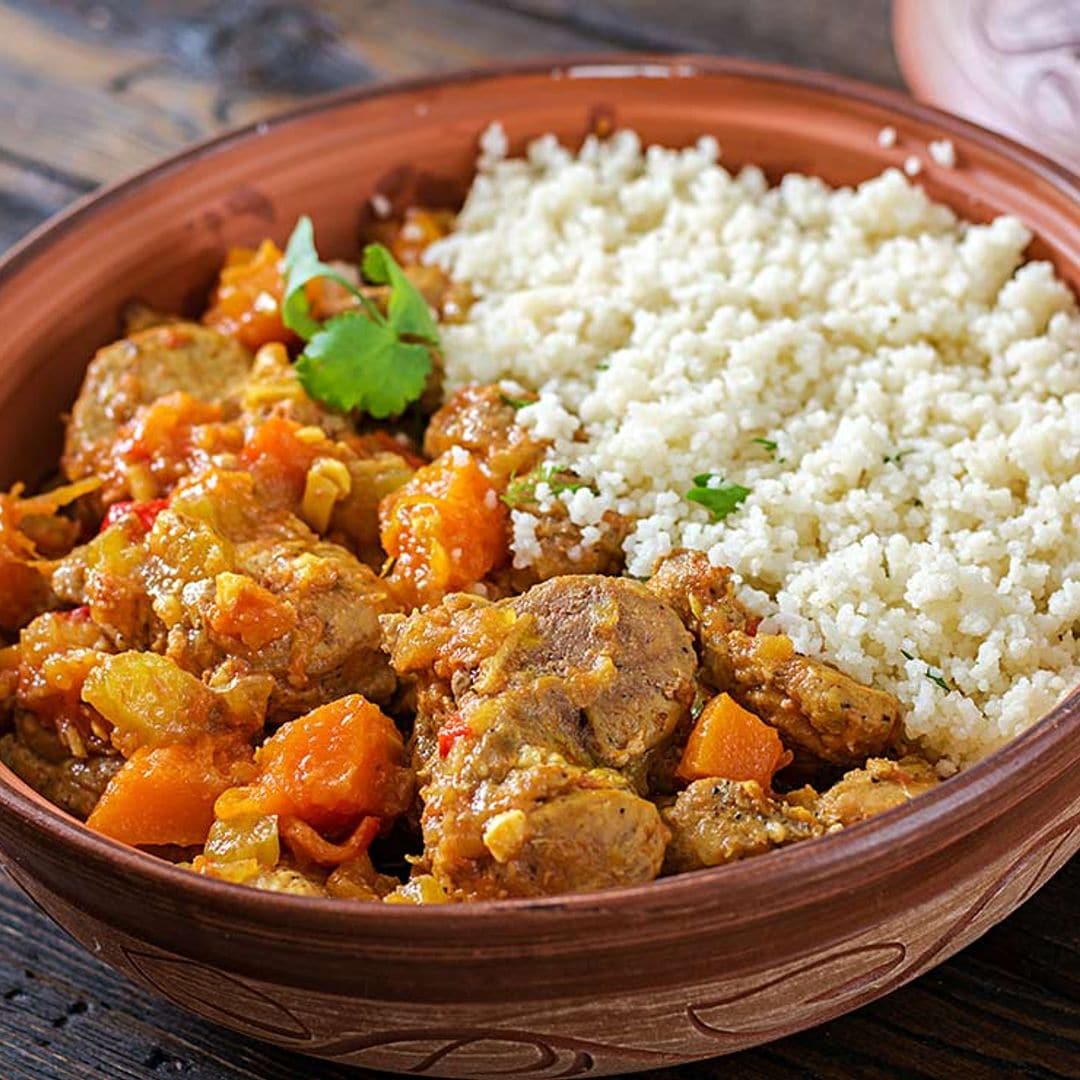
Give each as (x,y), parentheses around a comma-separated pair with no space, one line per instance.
(684,968)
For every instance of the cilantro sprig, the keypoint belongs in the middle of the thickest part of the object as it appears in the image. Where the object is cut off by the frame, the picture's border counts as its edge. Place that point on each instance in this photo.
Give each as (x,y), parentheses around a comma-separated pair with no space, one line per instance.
(514,403)
(769,444)
(718,496)
(522,490)
(359,359)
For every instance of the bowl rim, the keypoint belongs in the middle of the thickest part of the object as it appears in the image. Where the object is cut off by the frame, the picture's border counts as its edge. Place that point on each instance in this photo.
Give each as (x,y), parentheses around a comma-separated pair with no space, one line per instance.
(955,807)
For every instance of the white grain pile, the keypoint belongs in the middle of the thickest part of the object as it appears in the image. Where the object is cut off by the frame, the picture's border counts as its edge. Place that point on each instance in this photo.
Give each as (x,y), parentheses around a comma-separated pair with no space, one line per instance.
(921,382)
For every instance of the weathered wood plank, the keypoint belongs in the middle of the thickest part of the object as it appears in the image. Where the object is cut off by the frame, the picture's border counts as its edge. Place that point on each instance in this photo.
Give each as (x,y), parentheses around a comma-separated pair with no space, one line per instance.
(850,38)
(98,90)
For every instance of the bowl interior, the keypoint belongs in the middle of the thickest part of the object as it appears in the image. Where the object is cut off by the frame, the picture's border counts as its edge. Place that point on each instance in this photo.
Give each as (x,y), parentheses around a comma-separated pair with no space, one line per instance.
(161,237)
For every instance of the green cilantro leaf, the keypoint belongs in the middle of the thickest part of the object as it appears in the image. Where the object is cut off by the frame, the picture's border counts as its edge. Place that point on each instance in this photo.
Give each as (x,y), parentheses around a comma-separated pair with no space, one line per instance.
(522,490)
(302,264)
(514,402)
(720,500)
(408,311)
(934,676)
(354,363)
(768,444)
(359,359)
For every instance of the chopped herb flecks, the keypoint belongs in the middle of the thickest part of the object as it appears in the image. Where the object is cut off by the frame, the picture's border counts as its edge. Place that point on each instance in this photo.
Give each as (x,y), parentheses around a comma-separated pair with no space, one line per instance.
(896,458)
(717,495)
(932,674)
(522,490)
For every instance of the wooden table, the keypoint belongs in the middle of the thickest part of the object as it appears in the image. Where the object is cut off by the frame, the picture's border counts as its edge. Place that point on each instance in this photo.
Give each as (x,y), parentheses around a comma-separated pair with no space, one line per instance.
(92,90)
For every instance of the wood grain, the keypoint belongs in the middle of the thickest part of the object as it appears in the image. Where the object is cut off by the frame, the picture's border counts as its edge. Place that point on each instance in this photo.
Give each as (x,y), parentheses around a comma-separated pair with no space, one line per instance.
(101,89)
(94,90)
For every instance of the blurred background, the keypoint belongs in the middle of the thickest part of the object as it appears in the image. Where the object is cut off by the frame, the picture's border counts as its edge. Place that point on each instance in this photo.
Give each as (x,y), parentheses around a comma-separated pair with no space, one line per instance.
(92,90)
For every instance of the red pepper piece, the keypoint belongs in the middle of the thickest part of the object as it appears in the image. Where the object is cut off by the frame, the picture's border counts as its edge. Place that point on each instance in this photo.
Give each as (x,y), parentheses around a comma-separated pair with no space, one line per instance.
(454,729)
(144,512)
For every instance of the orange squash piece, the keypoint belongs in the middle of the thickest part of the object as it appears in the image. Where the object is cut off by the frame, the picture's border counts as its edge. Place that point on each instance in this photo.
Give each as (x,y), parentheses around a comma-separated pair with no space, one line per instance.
(337,764)
(246,610)
(729,741)
(279,460)
(166,794)
(247,301)
(445,529)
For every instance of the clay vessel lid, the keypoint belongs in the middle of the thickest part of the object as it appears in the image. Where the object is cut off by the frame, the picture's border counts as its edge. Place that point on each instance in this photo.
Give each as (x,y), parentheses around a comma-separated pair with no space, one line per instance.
(1010,65)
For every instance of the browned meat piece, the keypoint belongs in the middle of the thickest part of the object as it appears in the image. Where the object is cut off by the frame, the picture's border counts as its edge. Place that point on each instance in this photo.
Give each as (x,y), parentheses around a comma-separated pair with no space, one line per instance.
(139,369)
(881,785)
(232,580)
(701,593)
(621,658)
(719,821)
(517,808)
(818,709)
(107,576)
(483,420)
(36,755)
(533,715)
(562,552)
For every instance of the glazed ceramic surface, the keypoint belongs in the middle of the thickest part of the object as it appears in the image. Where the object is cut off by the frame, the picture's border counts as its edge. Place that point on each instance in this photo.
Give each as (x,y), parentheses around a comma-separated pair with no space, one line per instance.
(689,967)
(1013,65)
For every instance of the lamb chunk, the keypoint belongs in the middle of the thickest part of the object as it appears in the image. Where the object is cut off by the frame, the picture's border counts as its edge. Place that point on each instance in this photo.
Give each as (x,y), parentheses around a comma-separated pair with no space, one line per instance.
(818,709)
(535,715)
(880,785)
(482,420)
(719,821)
(37,756)
(138,370)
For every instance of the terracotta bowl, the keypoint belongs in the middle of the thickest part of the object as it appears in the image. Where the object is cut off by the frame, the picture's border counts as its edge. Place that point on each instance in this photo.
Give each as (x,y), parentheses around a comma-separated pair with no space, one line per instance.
(689,967)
